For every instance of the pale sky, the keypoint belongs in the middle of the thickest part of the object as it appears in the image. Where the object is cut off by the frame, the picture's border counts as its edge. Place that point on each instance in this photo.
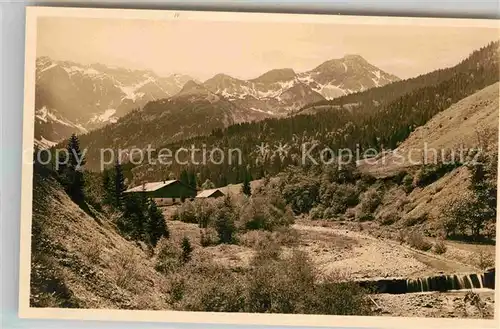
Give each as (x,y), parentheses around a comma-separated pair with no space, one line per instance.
(245,50)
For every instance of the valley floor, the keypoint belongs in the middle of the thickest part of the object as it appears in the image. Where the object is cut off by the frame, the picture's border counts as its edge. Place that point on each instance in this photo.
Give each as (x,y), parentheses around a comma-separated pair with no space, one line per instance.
(359,252)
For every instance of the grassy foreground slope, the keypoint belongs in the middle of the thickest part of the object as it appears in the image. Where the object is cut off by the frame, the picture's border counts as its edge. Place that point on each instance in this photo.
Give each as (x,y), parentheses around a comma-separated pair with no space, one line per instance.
(82,262)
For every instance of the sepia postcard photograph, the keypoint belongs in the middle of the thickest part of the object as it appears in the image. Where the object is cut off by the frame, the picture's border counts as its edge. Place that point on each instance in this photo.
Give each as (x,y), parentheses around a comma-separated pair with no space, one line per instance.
(259,168)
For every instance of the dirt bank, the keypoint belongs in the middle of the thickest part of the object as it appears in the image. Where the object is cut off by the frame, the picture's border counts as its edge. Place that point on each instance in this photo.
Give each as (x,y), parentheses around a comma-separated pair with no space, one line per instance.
(449,304)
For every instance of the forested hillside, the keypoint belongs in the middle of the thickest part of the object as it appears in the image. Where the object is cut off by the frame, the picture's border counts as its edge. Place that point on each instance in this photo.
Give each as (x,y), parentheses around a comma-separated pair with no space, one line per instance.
(379,127)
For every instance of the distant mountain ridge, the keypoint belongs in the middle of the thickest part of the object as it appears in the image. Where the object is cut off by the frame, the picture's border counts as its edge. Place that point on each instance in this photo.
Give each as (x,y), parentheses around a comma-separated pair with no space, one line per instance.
(75,98)
(85,97)
(331,79)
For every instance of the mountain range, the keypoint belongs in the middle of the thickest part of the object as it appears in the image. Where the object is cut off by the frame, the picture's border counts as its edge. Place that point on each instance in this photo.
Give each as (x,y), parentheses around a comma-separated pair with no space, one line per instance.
(76,98)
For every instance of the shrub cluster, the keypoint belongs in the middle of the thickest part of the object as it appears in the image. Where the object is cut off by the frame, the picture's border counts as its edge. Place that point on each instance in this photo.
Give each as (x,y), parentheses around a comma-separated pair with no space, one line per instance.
(418,241)
(272,284)
(221,220)
(324,192)
(370,200)
(440,247)
(474,213)
(430,173)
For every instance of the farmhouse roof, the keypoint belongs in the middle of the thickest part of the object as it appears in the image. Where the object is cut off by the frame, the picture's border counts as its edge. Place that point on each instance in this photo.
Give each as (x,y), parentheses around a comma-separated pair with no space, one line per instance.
(150,187)
(208,193)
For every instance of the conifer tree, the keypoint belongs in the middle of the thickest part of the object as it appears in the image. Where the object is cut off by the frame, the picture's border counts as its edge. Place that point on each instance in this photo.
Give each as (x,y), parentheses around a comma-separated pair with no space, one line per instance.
(187,249)
(192,179)
(198,180)
(71,171)
(133,219)
(222,179)
(246,189)
(184,177)
(156,226)
(119,186)
(185,180)
(483,185)
(106,186)
(224,221)
(207,185)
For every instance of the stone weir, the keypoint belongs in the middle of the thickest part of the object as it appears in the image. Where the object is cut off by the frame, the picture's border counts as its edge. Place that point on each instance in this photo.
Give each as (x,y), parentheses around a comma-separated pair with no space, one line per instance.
(431,283)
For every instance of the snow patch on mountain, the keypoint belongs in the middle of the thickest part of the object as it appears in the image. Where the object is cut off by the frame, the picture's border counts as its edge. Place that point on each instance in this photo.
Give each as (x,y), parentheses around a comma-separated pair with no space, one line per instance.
(330,91)
(262,111)
(107,116)
(48,67)
(47,116)
(43,143)
(42,114)
(82,128)
(83,70)
(130,91)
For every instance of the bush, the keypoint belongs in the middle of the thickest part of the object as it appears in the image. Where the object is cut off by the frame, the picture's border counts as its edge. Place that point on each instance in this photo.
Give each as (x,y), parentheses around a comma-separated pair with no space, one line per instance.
(302,194)
(418,241)
(187,249)
(126,272)
(266,211)
(286,236)
(213,290)
(168,258)
(413,220)
(340,298)
(208,237)
(266,249)
(317,212)
(401,237)
(430,173)
(389,218)
(330,213)
(440,247)
(252,238)
(483,260)
(204,210)
(408,183)
(364,217)
(490,229)
(224,225)
(351,213)
(280,286)
(186,213)
(338,197)
(272,284)
(93,252)
(370,200)
(290,286)
(466,216)
(283,236)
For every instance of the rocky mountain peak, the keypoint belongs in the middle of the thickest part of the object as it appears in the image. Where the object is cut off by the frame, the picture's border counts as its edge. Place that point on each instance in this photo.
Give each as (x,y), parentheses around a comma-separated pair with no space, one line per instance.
(354,57)
(192,87)
(221,78)
(276,75)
